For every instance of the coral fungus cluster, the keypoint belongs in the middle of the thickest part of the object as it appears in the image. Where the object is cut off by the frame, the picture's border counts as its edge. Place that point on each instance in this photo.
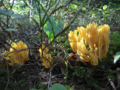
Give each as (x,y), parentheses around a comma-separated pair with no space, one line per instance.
(91,43)
(17,57)
(21,57)
(45,57)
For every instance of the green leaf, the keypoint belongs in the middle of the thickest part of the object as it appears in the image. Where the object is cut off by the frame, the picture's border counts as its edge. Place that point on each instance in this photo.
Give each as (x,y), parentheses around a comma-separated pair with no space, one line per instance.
(117,56)
(47,19)
(83,8)
(73,6)
(17,15)
(11,29)
(57,26)
(27,8)
(104,7)
(57,86)
(107,15)
(99,9)
(6,12)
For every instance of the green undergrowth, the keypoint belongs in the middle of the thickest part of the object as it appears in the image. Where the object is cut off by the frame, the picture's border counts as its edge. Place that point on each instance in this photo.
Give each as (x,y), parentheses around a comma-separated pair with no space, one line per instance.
(114,43)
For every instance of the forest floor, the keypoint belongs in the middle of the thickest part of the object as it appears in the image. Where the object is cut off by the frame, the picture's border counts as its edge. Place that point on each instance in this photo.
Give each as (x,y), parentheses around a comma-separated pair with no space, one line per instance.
(74,75)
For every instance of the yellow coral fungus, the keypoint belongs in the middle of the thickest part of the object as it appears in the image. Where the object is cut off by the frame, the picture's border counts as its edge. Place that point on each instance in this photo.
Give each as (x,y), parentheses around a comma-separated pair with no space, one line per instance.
(46,58)
(91,43)
(81,33)
(91,34)
(73,40)
(17,57)
(103,40)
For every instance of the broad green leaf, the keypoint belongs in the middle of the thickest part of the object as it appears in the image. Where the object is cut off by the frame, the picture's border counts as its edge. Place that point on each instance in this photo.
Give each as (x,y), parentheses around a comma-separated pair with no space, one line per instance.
(117,56)
(104,7)
(6,12)
(57,86)
(11,29)
(47,19)
(17,15)
(57,26)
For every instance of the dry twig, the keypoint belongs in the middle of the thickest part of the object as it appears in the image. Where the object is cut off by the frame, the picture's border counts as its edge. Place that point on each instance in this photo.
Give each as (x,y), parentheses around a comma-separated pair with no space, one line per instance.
(112,84)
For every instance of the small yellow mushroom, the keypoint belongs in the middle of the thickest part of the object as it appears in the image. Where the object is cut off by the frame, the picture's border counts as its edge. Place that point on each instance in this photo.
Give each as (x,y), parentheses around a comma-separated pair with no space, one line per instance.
(45,57)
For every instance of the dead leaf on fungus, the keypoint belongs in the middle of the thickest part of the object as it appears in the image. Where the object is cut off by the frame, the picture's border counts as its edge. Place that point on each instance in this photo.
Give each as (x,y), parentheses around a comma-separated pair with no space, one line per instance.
(74,58)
